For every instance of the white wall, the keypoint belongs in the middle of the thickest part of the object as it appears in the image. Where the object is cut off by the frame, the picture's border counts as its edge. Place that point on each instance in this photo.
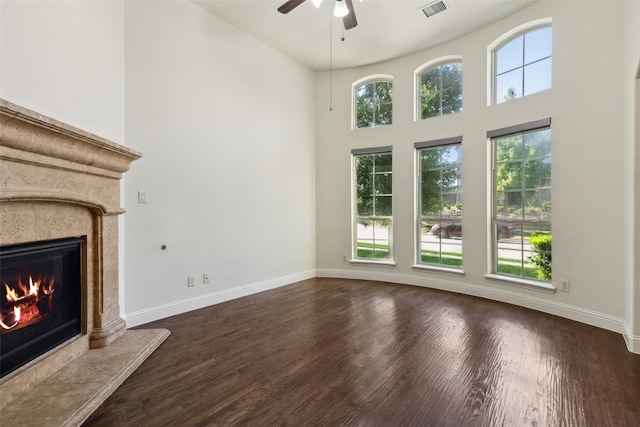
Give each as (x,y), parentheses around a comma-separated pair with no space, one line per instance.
(632,172)
(226,125)
(65,59)
(586,107)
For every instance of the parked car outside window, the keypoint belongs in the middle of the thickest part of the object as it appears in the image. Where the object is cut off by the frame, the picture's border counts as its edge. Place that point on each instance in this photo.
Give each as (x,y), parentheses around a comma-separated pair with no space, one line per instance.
(446,230)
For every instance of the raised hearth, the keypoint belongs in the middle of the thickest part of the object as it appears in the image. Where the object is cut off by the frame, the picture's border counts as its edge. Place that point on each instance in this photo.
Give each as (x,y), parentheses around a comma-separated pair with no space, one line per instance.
(57,181)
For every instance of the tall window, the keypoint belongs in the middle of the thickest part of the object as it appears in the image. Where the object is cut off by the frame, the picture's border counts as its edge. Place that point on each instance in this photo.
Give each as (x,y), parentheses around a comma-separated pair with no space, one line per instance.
(441,90)
(440,202)
(373,104)
(522,65)
(373,204)
(521,226)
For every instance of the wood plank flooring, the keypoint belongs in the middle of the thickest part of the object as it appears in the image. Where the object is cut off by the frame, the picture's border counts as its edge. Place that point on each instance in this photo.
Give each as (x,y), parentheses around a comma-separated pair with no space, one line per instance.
(337,352)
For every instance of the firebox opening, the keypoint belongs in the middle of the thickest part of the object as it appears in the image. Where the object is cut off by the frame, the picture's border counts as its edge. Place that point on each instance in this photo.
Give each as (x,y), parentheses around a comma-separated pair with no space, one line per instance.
(40,298)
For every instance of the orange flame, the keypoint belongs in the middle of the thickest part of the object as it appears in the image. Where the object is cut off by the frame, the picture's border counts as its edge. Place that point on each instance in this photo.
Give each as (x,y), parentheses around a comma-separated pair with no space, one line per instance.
(12,295)
(25,297)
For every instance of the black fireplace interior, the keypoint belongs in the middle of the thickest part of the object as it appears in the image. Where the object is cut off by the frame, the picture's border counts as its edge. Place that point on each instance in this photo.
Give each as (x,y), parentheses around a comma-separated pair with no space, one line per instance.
(40,303)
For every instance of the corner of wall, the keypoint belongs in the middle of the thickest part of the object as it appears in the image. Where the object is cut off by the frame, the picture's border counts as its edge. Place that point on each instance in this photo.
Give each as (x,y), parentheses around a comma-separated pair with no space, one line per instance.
(632,341)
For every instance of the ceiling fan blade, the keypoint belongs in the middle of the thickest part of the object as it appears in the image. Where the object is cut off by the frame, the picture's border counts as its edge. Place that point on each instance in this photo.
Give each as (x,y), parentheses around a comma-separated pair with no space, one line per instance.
(289,6)
(350,20)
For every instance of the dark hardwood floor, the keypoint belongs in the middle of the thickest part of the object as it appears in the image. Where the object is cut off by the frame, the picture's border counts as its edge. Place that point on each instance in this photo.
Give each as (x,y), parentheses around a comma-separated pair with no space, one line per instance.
(334,352)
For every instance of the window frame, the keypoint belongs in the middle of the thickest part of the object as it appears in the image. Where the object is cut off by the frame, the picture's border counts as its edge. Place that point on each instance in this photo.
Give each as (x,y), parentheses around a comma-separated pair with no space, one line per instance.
(493,220)
(493,48)
(377,78)
(355,218)
(425,68)
(419,147)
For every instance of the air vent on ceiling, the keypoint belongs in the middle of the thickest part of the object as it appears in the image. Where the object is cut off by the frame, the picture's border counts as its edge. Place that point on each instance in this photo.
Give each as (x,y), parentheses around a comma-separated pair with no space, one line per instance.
(434,8)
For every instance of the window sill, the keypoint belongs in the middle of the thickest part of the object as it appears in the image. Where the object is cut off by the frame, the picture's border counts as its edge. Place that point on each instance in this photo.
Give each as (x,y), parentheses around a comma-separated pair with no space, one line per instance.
(442,270)
(522,283)
(367,262)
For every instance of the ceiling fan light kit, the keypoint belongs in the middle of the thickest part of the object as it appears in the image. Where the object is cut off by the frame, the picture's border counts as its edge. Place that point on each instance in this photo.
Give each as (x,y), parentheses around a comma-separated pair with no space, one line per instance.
(343,9)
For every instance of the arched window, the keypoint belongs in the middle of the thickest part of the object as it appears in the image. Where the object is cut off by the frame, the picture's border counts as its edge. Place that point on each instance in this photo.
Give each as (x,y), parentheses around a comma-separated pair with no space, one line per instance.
(521,62)
(373,102)
(439,89)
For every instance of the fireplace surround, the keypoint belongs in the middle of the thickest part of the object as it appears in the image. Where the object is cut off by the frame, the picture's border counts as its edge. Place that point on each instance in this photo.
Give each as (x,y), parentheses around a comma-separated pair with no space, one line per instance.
(58,182)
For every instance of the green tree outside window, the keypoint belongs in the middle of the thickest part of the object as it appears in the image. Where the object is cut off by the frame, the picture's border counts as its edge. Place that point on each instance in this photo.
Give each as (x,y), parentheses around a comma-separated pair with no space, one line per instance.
(374,206)
(522,201)
(441,90)
(374,105)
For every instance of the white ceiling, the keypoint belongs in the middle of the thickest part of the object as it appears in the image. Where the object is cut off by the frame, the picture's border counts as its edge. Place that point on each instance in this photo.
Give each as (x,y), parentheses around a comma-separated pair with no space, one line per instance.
(386,28)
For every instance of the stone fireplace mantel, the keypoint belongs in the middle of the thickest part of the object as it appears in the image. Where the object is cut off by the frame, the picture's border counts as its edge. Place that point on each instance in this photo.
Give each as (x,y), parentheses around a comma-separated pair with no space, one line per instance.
(58,181)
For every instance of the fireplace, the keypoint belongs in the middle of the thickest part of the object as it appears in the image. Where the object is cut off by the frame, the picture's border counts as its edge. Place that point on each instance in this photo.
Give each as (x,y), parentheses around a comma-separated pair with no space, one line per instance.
(40,298)
(59,260)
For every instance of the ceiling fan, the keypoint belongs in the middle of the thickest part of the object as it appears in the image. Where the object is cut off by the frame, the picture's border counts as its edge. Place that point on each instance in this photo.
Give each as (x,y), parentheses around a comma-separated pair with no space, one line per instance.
(343,9)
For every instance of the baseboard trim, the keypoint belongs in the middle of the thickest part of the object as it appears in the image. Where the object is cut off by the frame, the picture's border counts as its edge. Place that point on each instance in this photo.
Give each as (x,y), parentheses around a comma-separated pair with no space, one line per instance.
(141,317)
(632,341)
(451,284)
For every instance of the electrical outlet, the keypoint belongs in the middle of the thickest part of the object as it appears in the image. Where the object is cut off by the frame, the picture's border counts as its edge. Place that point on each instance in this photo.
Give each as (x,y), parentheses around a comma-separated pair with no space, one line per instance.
(565,286)
(206,278)
(345,258)
(191,280)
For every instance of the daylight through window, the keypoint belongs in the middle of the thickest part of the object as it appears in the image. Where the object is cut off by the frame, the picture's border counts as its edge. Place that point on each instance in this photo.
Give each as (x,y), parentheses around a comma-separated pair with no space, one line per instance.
(521,225)
(522,65)
(373,204)
(441,90)
(373,104)
(439,226)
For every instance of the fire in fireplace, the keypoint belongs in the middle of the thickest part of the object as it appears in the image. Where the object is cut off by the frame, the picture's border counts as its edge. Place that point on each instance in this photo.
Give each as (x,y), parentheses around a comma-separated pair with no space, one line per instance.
(40,300)
(25,304)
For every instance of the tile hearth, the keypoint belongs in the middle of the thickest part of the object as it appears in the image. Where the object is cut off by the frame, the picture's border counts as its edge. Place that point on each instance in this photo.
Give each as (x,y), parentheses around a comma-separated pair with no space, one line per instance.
(80,387)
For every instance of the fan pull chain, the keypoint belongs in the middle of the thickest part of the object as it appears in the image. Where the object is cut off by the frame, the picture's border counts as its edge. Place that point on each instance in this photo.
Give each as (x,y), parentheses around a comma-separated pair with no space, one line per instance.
(330,63)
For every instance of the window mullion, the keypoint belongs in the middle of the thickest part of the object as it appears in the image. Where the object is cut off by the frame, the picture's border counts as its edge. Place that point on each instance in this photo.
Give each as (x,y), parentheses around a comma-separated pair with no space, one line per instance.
(524,48)
(440,89)
(537,60)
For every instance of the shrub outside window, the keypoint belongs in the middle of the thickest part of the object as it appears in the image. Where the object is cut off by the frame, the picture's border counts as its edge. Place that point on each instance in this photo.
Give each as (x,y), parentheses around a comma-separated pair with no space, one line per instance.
(373,104)
(521,224)
(441,90)
(522,65)
(373,204)
(439,225)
